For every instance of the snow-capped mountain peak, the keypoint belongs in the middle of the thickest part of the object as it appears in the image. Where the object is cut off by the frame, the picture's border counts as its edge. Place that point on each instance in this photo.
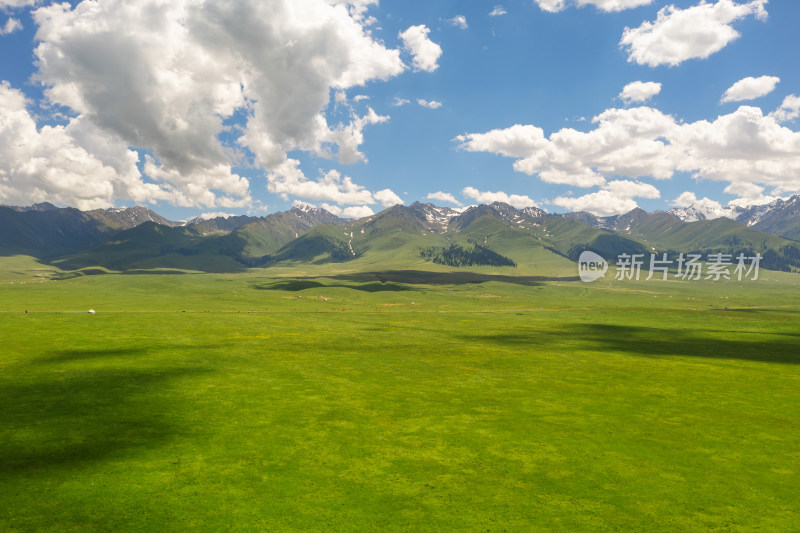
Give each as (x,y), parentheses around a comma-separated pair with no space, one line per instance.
(705,211)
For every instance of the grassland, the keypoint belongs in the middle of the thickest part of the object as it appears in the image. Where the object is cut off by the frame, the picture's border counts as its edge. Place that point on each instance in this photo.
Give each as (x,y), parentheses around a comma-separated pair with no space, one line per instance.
(327,400)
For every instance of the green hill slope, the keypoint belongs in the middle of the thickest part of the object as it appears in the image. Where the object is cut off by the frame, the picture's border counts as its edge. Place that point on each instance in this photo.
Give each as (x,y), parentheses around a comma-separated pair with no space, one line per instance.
(412,237)
(49,234)
(150,246)
(725,236)
(249,243)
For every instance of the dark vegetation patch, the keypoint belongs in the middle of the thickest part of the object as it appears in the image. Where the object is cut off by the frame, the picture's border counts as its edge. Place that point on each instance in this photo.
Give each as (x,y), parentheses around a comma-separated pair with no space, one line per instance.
(422,277)
(458,256)
(301,285)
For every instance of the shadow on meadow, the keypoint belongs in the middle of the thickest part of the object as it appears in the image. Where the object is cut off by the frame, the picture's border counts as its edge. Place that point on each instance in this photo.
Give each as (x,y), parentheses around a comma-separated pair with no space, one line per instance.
(300,285)
(658,342)
(441,278)
(67,356)
(61,416)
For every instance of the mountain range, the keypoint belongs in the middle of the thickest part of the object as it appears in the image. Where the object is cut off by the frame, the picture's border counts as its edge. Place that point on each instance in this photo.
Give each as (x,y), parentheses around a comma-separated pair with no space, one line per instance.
(781,217)
(497,235)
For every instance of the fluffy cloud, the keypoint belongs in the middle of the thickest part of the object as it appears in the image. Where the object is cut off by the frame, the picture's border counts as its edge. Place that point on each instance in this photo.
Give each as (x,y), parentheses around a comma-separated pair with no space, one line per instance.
(289,180)
(626,142)
(789,109)
(688,198)
(16,3)
(554,6)
(51,164)
(348,137)
(358,8)
(216,214)
(425,52)
(387,197)
(11,26)
(750,88)
(399,102)
(433,104)
(517,141)
(459,21)
(681,34)
(355,211)
(167,82)
(210,186)
(443,197)
(614,198)
(639,91)
(498,11)
(748,194)
(743,147)
(488,197)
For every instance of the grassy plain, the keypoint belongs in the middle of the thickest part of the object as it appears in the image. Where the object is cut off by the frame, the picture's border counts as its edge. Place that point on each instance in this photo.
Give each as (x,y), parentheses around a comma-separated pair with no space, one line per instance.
(327,400)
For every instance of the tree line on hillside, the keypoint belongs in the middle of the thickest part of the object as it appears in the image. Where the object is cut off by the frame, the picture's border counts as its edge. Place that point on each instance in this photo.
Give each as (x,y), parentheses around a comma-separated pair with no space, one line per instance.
(458,256)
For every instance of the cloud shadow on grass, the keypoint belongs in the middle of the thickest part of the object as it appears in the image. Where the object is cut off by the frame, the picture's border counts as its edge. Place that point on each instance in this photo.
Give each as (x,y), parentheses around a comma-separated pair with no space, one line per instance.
(67,356)
(68,417)
(439,278)
(303,284)
(656,342)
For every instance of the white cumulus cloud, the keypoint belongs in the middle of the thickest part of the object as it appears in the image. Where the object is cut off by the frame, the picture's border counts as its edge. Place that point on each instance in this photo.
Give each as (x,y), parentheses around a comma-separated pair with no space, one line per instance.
(387,198)
(354,211)
(433,104)
(52,164)
(614,198)
(488,197)
(348,137)
(748,194)
(214,214)
(459,21)
(443,197)
(750,88)
(167,82)
(626,142)
(789,109)
(497,11)
(554,6)
(639,91)
(16,3)
(425,53)
(516,141)
(357,211)
(742,147)
(10,26)
(681,34)
(331,187)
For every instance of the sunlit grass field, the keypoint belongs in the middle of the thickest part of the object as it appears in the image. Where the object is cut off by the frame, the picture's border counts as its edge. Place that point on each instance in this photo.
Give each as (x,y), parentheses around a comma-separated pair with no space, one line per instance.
(397,401)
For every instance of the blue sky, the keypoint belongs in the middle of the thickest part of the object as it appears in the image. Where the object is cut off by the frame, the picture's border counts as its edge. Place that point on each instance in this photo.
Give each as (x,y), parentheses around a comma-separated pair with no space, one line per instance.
(248,107)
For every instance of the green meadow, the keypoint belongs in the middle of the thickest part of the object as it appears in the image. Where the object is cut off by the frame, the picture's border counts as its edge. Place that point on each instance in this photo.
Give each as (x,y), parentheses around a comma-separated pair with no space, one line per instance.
(417,400)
